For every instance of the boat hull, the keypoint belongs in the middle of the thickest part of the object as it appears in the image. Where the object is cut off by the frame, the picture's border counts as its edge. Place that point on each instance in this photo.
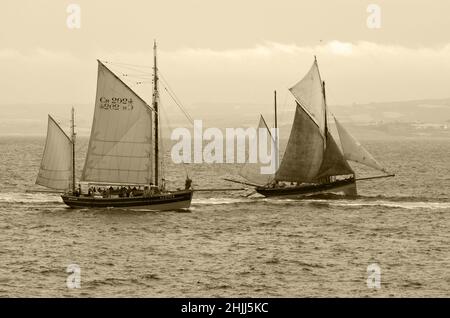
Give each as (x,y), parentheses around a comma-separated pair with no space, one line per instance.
(168,201)
(345,187)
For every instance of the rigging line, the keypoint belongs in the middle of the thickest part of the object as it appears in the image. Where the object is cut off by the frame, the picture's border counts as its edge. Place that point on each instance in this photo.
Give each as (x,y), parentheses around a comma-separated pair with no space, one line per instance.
(175,98)
(138,83)
(283,109)
(142,72)
(330,97)
(189,118)
(178,104)
(166,118)
(170,88)
(128,64)
(136,75)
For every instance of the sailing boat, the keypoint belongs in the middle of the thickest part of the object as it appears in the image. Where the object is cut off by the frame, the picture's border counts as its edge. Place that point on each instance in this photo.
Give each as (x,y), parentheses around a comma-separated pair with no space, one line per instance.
(313,163)
(122,162)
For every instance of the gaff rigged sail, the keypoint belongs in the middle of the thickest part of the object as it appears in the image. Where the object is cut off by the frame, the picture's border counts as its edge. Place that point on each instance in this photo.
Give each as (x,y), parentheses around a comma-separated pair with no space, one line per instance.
(304,151)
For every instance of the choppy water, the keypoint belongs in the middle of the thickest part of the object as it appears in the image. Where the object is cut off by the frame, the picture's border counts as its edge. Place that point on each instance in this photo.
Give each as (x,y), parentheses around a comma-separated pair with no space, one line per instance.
(229,245)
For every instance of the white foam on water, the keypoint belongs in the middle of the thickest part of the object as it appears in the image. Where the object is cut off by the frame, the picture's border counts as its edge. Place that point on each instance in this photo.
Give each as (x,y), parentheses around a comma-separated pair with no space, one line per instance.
(392,204)
(17,197)
(220,201)
(360,203)
(380,203)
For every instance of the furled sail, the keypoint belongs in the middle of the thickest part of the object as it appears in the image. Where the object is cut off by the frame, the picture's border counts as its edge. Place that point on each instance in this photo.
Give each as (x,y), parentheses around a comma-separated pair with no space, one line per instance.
(252,171)
(334,163)
(55,169)
(304,151)
(120,146)
(309,94)
(354,151)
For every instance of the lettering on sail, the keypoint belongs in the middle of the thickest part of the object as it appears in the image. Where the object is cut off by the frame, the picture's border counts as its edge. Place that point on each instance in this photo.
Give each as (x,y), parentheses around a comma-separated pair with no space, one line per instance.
(116,103)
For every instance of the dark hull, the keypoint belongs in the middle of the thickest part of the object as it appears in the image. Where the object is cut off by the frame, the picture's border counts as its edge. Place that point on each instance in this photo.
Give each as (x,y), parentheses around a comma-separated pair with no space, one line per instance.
(346,187)
(167,201)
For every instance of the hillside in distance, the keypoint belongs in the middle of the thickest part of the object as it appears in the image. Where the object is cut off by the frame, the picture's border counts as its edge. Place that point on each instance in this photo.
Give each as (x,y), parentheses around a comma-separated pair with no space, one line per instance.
(428,117)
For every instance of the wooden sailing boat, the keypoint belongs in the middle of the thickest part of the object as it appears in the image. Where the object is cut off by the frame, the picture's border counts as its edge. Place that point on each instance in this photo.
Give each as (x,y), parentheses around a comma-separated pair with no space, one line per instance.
(122,161)
(312,163)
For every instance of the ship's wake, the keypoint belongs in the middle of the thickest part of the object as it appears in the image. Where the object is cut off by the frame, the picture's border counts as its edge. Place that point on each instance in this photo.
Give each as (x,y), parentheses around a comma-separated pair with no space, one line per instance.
(323,200)
(27,198)
(330,200)
(401,202)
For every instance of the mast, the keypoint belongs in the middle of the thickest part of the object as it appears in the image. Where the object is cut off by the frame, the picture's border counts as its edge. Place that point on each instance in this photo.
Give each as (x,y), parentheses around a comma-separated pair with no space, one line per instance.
(276,129)
(325,108)
(155,107)
(73,149)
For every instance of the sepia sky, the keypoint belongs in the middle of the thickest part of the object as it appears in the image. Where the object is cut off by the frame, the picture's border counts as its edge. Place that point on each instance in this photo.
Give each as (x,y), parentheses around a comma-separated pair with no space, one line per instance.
(228,51)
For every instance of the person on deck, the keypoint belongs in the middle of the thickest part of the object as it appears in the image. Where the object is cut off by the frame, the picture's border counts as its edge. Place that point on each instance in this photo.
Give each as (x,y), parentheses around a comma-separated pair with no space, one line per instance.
(188,183)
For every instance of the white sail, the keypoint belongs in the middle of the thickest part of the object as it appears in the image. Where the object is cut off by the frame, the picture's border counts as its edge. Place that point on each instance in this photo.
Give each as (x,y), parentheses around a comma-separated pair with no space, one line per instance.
(56,164)
(120,146)
(252,171)
(309,94)
(354,151)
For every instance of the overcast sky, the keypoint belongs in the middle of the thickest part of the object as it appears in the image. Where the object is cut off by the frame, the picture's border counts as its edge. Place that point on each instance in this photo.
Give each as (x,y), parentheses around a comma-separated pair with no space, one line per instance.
(228,51)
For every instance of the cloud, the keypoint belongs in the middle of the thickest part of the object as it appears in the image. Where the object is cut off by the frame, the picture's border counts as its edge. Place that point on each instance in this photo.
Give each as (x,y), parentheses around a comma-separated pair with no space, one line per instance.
(37,56)
(337,48)
(355,72)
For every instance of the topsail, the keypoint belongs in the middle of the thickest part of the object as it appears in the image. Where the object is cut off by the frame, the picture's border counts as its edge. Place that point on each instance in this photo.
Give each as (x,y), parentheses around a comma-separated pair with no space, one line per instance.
(120,146)
(56,163)
(309,94)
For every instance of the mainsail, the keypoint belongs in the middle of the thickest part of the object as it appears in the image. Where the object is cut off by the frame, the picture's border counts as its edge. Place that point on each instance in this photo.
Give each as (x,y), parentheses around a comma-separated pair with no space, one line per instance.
(309,94)
(120,146)
(56,164)
(252,171)
(334,163)
(304,151)
(354,151)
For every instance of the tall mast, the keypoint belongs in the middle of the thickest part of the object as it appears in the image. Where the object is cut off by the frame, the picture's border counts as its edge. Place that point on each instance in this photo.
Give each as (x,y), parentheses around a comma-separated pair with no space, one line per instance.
(276,129)
(325,108)
(73,149)
(155,107)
